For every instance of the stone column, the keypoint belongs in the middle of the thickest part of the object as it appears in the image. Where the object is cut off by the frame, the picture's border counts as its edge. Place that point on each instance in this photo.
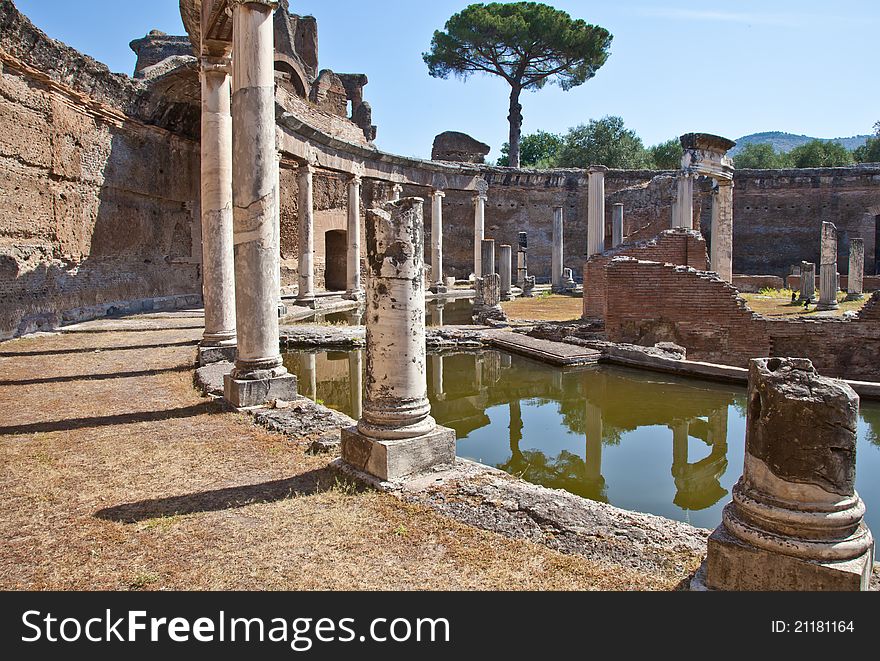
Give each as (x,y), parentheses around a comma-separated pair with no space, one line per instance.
(808,281)
(796,521)
(674,211)
(259,375)
(685,205)
(356,382)
(596,210)
(506,257)
(438,285)
(480,197)
(396,192)
(396,435)
(282,308)
(616,224)
(353,230)
(218,270)
(557,255)
(522,266)
(721,258)
(306,236)
(487,257)
(828,282)
(855,279)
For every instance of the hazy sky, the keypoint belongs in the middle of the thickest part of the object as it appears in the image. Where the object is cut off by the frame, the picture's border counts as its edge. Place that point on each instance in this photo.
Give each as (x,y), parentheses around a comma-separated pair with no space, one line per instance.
(802,66)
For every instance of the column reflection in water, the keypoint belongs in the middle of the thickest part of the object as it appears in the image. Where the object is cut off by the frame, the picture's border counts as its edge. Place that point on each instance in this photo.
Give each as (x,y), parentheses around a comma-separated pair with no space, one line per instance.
(698,484)
(309,380)
(594,483)
(437,376)
(356,382)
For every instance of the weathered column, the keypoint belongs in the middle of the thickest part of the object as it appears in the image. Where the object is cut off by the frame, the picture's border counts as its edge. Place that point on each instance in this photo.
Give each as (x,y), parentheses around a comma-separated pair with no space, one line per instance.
(354,290)
(522,267)
(218,270)
(282,308)
(487,257)
(685,204)
(616,224)
(480,197)
(396,435)
(828,282)
(438,285)
(356,382)
(396,192)
(796,521)
(506,257)
(674,212)
(855,279)
(556,257)
(808,281)
(596,210)
(259,375)
(306,236)
(721,258)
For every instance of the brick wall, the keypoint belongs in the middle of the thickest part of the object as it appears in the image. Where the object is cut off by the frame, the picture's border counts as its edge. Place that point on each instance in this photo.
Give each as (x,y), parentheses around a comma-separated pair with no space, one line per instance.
(673,246)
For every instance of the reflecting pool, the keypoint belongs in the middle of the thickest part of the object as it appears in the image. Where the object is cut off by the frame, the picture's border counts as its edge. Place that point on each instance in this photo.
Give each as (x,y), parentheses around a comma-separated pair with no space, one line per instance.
(456,311)
(638,440)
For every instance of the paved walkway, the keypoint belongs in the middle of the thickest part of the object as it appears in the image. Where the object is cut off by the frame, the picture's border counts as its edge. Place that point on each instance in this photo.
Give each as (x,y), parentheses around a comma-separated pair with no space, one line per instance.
(116,474)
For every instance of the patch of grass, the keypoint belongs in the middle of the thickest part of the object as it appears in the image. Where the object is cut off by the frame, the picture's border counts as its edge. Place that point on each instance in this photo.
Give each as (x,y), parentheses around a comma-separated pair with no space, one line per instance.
(777,303)
(142,580)
(545,307)
(161,522)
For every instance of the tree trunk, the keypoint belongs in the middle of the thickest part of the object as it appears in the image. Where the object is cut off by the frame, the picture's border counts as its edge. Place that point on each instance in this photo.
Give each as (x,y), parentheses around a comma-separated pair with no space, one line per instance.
(515,118)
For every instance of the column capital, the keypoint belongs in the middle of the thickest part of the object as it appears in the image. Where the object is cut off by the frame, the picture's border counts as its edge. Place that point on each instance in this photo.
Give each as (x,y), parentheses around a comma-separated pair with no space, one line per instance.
(305,169)
(271,4)
(355,179)
(438,193)
(216,64)
(397,188)
(597,169)
(722,182)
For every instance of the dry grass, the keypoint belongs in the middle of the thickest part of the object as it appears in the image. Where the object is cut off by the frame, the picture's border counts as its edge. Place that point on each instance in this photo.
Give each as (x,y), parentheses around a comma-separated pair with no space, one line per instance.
(777,303)
(545,307)
(135,482)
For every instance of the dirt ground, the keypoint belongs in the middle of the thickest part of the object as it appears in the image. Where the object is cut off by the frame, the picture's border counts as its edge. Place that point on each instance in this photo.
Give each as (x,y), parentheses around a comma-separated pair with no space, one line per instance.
(778,304)
(550,307)
(115,474)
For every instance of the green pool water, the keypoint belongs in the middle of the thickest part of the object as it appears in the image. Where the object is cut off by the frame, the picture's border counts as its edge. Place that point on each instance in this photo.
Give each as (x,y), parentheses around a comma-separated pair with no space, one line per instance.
(638,440)
(437,313)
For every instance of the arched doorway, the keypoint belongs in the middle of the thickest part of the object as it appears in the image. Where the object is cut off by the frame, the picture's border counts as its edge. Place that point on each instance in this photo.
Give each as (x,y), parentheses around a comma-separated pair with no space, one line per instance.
(335,264)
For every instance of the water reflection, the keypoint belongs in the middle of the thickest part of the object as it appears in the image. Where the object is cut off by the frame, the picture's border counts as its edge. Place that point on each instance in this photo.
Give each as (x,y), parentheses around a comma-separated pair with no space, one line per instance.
(638,440)
(437,313)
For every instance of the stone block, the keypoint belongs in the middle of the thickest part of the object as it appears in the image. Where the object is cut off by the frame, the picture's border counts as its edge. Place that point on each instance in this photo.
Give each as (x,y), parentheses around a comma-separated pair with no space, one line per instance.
(210,355)
(396,459)
(245,393)
(734,565)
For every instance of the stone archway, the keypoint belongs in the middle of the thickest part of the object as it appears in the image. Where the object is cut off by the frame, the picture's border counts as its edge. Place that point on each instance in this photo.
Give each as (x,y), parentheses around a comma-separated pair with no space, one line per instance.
(335,260)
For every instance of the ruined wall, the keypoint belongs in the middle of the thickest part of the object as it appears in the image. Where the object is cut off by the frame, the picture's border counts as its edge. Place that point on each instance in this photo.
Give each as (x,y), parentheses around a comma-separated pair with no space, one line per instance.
(673,246)
(701,312)
(95,206)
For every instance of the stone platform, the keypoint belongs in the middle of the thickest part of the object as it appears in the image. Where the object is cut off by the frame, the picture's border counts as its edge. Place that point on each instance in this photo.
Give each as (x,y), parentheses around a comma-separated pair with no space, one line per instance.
(554,353)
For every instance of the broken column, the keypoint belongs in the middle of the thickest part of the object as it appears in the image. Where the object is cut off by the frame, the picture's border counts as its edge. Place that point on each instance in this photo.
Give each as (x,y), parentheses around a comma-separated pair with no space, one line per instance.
(855,279)
(487,302)
(259,375)
(796,521)
(808,281)
(480,197)
(525,282)
(596,210)
(354,290)
(685,201)
(506,257)
(721,257)
(828,278)
(218,269)
(616,224)
(438,285)
(396,435)
(306,236)
(556,259)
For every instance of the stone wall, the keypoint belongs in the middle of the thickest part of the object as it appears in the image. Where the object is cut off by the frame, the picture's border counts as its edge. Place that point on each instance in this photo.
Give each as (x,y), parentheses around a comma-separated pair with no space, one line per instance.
(705,314)
(95,206)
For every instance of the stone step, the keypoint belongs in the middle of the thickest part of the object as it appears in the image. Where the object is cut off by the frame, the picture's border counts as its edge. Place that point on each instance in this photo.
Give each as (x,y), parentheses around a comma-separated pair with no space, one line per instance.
(555,353)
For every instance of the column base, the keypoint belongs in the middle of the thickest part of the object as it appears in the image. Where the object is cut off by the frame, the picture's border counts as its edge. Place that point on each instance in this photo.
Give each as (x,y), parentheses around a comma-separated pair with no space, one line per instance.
(209,355)
(822,307)
(731,564)
(246,393)
(396,459)
(306,302)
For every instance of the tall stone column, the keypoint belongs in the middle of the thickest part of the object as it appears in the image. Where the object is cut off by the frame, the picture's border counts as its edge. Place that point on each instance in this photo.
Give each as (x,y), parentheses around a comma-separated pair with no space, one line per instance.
(522,265)
(218,269)
(282,308)
(506,257)
(438,286)
(487,257)
(306,236)
(259,375)
(353,234)
(721,258)
(828,281)
(480,197)
(685,205)
(856,278)
(808,281)
(674,212)
(616,224)
(596,210)
(796,521)
(396,435)
(557,254)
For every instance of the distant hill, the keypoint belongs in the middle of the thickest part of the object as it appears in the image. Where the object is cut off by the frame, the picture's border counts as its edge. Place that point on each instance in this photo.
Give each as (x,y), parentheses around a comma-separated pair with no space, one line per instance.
(785,142)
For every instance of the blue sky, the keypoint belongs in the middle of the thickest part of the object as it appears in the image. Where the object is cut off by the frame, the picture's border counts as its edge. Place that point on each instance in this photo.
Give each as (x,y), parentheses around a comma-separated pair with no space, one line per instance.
(676,66)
